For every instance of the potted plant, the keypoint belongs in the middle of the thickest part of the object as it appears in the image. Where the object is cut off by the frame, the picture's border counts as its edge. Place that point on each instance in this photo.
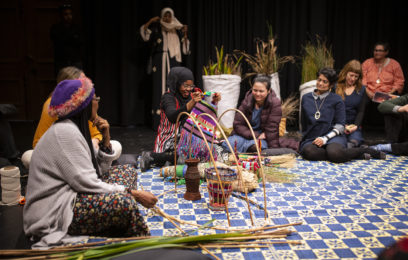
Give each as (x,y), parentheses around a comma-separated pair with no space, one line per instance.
(315,56)
(267,61)
(224,77)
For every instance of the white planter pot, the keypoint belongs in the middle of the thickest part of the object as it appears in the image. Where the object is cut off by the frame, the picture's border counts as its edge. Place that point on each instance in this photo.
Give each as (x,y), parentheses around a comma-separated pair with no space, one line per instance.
(305,88)
(229,87)
(275,84)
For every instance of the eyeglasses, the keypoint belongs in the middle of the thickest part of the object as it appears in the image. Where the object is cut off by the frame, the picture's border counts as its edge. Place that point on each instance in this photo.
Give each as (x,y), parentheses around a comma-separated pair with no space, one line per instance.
(189,86)
(379,50)
(97,99)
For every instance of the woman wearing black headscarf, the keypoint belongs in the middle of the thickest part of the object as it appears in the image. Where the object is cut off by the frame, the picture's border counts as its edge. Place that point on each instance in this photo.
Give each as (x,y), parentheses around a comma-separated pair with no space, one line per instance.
(178,98)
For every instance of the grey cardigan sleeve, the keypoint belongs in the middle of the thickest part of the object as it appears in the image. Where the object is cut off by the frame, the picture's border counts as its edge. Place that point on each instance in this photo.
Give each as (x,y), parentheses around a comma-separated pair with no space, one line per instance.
(75,163)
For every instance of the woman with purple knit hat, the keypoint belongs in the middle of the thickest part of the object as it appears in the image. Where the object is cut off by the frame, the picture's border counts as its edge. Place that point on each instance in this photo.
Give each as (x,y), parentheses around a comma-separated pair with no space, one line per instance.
(66,198)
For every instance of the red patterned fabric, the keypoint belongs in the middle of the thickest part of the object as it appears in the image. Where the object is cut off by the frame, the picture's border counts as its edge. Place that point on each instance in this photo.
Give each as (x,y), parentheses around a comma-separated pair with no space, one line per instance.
(165,132)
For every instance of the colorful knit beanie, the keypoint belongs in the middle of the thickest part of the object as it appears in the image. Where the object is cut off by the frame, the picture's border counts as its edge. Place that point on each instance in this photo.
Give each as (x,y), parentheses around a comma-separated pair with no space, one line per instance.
(71,97)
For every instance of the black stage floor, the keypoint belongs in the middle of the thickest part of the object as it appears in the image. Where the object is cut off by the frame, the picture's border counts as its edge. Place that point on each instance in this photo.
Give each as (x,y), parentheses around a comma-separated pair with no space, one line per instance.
(134,140)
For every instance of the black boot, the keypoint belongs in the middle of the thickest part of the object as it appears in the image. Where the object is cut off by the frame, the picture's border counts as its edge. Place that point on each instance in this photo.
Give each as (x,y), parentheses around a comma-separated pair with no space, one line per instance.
(375,154)
(145,161)
(252,149)
(157,159)
(160,159)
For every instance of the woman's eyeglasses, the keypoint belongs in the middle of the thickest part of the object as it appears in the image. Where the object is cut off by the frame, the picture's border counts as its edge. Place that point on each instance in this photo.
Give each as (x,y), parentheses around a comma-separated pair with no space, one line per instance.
(379,50)
(189,86)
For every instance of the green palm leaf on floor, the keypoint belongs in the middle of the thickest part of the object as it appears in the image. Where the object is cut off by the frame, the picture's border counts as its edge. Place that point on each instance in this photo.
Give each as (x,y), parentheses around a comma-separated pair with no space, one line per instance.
(107,251)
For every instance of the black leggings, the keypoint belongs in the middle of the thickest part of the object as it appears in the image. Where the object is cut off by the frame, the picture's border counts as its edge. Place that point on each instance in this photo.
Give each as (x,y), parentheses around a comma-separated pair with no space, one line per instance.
(396,127)
(400,148)
(336,153)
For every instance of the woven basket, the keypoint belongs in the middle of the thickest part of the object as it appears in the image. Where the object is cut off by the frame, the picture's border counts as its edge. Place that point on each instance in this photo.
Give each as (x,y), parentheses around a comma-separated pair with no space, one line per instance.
(215,188)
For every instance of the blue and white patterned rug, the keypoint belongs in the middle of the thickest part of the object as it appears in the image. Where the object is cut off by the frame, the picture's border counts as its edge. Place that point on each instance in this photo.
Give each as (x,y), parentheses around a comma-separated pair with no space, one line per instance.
(350,210)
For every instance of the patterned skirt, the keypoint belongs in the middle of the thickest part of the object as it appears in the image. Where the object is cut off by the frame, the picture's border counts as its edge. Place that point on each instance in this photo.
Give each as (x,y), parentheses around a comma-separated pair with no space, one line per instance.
(125,175)
(109,214)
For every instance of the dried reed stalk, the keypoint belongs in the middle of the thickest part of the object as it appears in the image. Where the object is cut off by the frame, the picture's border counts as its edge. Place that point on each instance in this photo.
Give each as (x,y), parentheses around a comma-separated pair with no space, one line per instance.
(253,237)
(258,242)
(57,252)
(162,213)
(164,193)
(250,201)
(208,251)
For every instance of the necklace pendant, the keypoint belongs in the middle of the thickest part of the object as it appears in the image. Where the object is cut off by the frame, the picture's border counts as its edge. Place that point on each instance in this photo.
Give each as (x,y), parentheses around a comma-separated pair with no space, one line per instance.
(378,81)
(317,115)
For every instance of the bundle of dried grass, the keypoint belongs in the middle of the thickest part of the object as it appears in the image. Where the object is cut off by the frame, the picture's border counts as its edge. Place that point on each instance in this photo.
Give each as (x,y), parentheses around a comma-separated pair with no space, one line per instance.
(290,106)
(274,174)
(315,57)
(281,161)
(266,60)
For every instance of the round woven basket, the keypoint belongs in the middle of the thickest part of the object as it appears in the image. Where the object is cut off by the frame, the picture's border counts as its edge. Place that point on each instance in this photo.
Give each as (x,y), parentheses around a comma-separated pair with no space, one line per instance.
(218,201)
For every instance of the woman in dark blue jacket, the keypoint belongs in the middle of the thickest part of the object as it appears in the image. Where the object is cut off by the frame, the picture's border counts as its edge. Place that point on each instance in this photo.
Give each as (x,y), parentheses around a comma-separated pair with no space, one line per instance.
(323,120)
(350,88)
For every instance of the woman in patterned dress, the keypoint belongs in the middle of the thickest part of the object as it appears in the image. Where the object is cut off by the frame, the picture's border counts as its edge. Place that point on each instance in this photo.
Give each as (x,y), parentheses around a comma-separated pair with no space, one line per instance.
(66,197)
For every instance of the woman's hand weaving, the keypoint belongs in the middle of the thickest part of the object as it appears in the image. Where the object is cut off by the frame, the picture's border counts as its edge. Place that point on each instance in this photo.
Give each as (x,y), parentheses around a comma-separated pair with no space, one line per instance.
(145,198)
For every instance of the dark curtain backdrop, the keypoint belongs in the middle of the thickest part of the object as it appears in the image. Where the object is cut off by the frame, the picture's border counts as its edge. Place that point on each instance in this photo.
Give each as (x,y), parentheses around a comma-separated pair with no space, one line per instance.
(116,57)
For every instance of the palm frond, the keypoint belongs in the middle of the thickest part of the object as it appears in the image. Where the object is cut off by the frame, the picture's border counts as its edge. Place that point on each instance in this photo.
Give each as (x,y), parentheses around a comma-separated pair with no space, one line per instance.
(226,64)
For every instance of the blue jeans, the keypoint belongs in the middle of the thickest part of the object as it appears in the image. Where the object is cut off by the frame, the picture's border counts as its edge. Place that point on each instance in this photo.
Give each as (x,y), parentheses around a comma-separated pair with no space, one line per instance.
(242,144)
(356,135)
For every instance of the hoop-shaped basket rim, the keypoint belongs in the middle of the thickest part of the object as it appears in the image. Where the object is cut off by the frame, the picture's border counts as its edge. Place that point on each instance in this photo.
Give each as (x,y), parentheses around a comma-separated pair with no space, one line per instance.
(226,174)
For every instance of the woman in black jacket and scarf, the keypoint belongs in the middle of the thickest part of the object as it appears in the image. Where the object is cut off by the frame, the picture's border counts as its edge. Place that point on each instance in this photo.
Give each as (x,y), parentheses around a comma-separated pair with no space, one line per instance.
(177,99)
